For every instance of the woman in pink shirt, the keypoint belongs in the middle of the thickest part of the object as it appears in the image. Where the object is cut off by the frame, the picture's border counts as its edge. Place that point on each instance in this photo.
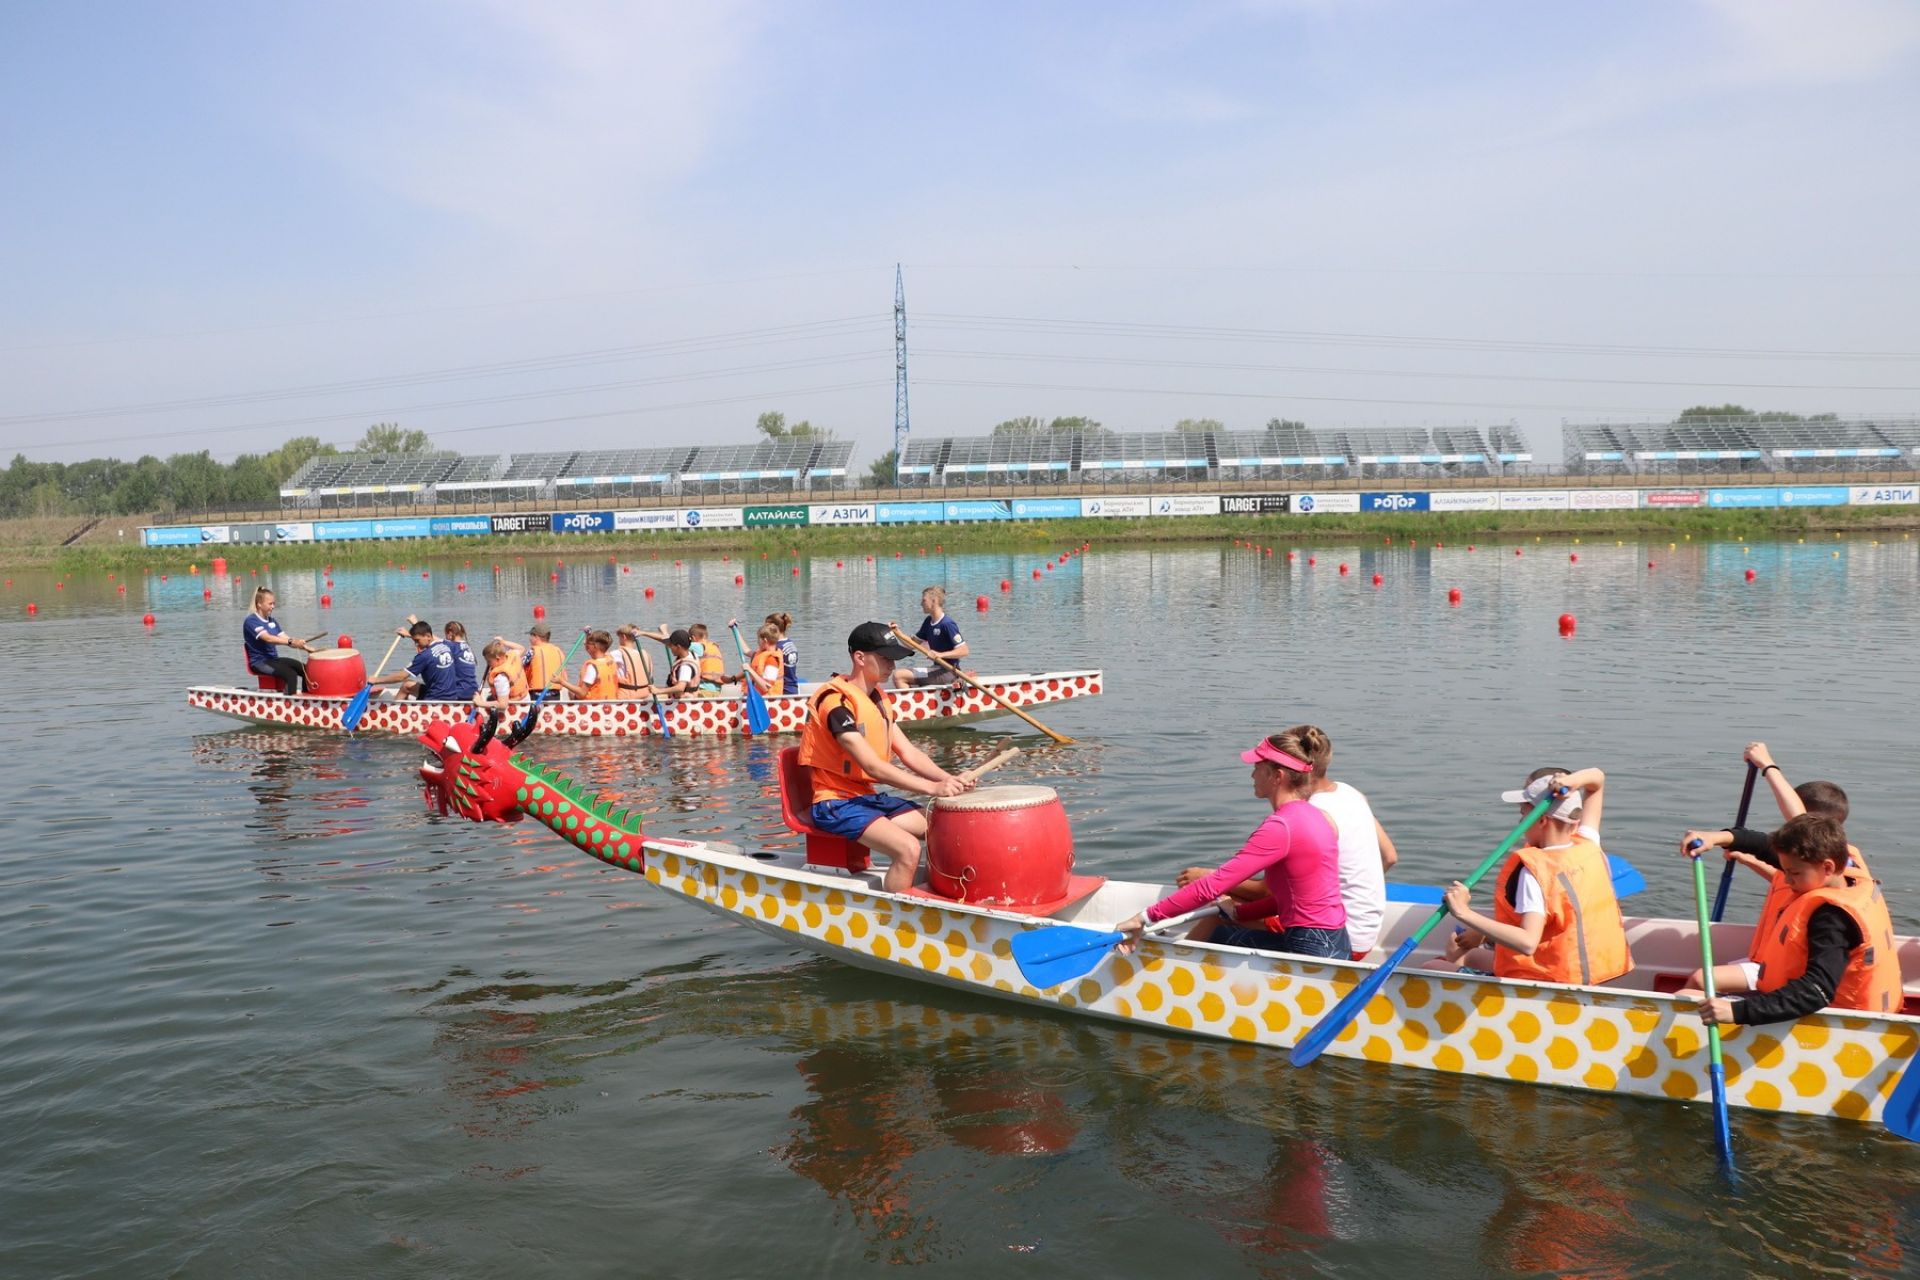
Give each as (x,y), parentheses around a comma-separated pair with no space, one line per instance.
(1298,851)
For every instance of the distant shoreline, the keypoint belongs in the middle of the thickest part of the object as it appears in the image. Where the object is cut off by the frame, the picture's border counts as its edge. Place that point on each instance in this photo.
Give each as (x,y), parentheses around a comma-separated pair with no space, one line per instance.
(1038,537)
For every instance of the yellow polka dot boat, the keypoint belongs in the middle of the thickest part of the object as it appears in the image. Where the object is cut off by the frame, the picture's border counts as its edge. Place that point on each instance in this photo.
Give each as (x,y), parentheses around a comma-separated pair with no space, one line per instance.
(1630,1037)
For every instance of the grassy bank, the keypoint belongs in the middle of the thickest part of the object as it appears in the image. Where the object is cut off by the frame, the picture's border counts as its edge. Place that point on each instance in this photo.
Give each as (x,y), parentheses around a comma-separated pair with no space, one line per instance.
(1039,537)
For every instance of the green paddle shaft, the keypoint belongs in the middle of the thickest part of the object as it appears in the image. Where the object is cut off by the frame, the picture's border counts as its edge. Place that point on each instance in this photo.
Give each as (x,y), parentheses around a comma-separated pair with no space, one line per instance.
(1706,951)
(1493,860)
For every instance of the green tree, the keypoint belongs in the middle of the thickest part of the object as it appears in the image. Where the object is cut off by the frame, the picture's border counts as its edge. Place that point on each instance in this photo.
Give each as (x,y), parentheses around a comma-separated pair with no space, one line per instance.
(1285,424)
(771,424)
(1198,426)
(880,470)
(1027,426)
(391,437)
(1716,411)
(774,427)
(1085,426)
(296,453)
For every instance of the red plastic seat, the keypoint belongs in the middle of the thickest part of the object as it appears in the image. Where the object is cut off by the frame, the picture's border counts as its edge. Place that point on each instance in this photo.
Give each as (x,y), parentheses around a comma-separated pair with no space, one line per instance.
(270,683)
(796,802)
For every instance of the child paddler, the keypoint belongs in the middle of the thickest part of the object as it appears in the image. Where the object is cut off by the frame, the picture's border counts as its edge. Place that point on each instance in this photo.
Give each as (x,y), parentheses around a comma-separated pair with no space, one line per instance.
(1830,943)
(1555,918)
(851,742)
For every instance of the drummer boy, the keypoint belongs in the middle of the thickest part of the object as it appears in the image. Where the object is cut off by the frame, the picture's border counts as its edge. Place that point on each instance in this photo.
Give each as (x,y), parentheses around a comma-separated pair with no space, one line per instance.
(851,742)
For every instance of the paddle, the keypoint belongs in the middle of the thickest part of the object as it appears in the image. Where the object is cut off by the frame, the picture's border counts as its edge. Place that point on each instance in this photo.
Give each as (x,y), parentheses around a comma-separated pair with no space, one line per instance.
(1726,874)
(659,714)
(357,707)
(1716,1069)
(921,649)
(525,725)
(1902,1112)
(1063,952)
(758,721)
(1627,881)
(1335,1020)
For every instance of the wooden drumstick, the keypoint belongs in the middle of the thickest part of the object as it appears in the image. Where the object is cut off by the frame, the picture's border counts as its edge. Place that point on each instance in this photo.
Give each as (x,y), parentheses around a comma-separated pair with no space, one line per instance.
(978,770)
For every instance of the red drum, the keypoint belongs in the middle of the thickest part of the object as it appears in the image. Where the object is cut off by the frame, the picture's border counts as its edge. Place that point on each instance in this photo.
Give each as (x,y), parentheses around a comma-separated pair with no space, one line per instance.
(335,673)
(1000,847)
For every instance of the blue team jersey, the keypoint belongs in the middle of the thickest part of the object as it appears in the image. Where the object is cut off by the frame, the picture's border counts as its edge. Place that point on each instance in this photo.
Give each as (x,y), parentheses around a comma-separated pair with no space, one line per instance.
(466,676)
(259,652)
(435,669)
(942,636)
(789,666)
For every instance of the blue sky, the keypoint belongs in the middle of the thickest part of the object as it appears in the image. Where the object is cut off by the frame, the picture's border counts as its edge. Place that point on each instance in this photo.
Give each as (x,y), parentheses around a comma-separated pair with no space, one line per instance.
(227,224)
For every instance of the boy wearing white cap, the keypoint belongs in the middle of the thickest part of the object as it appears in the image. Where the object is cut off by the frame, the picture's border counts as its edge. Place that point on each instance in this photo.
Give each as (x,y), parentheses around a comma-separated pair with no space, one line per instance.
(1556,918)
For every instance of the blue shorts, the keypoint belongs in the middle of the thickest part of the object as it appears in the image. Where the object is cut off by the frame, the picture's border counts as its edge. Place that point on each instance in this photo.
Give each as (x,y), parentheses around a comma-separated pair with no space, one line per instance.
(848,818)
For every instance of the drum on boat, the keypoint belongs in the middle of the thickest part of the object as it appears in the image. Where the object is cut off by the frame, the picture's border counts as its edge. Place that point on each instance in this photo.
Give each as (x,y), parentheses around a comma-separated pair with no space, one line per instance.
(335,673)
(1000,847)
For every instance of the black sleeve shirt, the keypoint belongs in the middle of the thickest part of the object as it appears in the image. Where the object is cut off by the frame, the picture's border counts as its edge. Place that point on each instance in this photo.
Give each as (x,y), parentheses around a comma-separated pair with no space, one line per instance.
(1831,938)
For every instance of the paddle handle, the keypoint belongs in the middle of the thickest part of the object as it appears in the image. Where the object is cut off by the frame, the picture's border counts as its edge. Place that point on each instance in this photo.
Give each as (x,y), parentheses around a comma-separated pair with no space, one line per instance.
(1716,1068)
(1740,820)
(982,769)
(1492,860)
(925,652)
(385,657)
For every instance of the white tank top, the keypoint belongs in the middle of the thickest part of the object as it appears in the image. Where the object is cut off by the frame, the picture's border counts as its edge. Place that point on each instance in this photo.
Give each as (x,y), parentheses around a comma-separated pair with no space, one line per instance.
(1363,881)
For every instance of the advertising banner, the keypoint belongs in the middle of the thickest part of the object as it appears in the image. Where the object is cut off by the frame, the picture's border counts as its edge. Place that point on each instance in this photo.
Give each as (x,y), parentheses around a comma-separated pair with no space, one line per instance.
(1046,508)
(666,519)
(177,536)
(1326,504)
(215,533)
(297,531)
(968,512)
(1768,497)
(1463,502)
(910,513)
(411,527)
(1605,499)
(1534,500)
(523,522)
(1884,495)
(776,517)
(1393,502)
(853,513)
(1673,498)
(442,526)
(1099,508)
(1185,504)
(582,521)
(341,530)
(1256,504)
(1819,495)
(712,518)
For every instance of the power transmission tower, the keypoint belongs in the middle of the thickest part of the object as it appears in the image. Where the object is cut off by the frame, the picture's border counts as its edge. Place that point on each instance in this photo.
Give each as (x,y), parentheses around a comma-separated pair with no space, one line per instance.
(899,372)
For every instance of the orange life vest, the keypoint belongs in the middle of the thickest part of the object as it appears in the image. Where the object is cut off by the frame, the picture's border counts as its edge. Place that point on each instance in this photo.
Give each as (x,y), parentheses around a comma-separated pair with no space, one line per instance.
(1872,977)
(545,662)
(516,678)
(770,667)
(836,774)
(638,675)
(713,667)
(1584,940)
(1780,895)
(598,679)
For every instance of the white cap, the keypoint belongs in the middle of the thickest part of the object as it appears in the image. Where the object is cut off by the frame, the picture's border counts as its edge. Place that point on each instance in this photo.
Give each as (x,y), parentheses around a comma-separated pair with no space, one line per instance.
(1565,809)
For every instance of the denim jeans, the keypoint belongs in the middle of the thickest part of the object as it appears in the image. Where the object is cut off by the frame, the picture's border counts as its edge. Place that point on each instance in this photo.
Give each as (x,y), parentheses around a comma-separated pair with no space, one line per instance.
(1326,944)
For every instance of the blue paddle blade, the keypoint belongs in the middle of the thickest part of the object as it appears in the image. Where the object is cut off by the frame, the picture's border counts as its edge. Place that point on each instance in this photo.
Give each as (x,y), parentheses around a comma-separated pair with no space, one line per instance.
(665,732)
(757,718)
(1902,1112)
(1722,1125)
(1049,957)
(1328,1029)
(350,718)
(1425,894)
(1627,879)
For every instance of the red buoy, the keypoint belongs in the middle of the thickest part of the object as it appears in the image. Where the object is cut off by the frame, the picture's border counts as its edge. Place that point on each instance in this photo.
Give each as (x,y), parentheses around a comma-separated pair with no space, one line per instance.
(207,594)
(1751,575)
(424,573)
(1573,557)
(1269,551)
(539,611)
(1343,568)
(982,603)
(1378,579)
(1649,564)
(1005,585)
(1516,551)
(739,580)
(344,642)
(33,608)
(1036,573)
(839,564)
(146,619)
(122,588)
(1312,561)
(326,602)
(1469,546)
(649,593)
(1290,555)
(938,548)
(1568,623)
(796,571)
(1453,596)
(459,586)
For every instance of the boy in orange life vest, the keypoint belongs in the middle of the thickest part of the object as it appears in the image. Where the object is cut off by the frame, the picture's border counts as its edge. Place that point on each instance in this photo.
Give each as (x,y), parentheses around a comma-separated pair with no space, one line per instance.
(546,664)
(1754,849)
(597,679)
(1832,944)
(506,678)
(1555,915)
(850,743)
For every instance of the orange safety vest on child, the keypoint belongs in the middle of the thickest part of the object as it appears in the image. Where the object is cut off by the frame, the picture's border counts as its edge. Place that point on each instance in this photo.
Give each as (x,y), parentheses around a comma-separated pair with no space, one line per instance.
(1584,940)
(598,679)
(516,678)
(770,666)
(544,662)
(1872,977)
(713,667)
(836,774)
(1780,896)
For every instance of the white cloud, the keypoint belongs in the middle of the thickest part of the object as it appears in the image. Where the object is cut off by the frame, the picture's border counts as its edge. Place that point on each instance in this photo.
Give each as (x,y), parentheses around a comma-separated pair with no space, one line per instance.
(1833,41)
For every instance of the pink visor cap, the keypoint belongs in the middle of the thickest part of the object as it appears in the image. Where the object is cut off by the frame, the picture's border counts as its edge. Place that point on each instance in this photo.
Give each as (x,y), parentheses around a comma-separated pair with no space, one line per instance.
(1264,750)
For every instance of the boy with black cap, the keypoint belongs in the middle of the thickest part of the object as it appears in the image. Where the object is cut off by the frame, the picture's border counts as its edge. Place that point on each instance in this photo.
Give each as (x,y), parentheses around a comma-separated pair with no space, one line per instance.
(683,680)
(850,743)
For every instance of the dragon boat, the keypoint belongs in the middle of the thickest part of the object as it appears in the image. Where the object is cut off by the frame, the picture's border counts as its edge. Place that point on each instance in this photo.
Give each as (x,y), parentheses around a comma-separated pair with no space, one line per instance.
(1632,1037)
(946,704)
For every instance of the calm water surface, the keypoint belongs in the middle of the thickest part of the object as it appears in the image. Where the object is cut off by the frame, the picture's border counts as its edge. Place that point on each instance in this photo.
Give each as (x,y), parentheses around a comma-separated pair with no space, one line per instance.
(262,1015)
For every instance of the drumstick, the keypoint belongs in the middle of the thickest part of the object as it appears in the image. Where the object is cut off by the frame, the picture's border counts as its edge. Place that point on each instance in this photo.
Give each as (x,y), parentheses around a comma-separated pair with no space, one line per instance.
(315,636)
(975,772)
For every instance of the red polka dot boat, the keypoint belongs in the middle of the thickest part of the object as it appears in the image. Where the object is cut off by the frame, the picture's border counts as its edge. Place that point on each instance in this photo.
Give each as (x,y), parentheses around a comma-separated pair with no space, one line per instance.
(947,704)
(1633,1037)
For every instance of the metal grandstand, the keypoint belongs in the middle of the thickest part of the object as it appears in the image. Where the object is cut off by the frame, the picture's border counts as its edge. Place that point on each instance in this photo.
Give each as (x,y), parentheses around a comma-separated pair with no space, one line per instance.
(368,479)
(1740,445)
